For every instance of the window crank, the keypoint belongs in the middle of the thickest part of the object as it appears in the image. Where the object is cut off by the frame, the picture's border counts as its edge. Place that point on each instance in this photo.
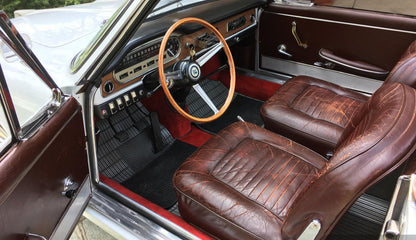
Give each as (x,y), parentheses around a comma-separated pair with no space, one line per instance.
(282,50)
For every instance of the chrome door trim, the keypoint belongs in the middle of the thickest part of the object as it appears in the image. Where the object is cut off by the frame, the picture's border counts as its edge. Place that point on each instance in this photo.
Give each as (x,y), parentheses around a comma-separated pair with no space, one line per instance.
(8,106)
(357,83)
(70,218)
(106,212)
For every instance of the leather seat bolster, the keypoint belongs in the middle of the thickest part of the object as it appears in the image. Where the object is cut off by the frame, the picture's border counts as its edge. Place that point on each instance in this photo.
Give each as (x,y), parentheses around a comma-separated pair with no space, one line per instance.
(405,69)
(383,140)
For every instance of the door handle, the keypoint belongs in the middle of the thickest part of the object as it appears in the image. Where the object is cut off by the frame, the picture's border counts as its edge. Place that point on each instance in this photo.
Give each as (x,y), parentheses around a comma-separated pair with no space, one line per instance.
(282,50)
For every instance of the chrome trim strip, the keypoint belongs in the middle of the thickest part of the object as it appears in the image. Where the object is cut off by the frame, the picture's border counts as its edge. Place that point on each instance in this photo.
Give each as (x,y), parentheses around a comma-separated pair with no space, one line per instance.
(68,222)
(353,67)
(361,84)
(107,213)
(264,75)
(8,106)
(345,23)
(91,141)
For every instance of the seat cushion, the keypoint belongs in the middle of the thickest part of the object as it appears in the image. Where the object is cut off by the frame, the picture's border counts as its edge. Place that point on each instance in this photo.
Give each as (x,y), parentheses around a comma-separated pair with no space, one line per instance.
(311,112)
(243,181)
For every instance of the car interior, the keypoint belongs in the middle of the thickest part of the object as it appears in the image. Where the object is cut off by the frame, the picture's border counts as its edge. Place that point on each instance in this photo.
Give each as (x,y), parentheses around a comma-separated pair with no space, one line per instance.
(250,119)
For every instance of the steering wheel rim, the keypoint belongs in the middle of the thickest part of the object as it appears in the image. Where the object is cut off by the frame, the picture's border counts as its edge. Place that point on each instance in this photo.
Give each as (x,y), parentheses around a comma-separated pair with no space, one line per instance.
(230,63)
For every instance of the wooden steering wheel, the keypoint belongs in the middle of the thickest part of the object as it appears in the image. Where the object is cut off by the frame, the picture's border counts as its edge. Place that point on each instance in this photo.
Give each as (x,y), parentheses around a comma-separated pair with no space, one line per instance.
(189,71)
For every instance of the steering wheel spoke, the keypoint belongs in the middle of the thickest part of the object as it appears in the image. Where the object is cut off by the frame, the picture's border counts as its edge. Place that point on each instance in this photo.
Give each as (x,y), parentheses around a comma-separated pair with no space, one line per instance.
(205,97)
(208,55)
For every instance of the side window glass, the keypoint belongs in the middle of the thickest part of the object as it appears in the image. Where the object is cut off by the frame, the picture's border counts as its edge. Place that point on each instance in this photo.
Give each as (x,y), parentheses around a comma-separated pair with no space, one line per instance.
(28,92)
(404,7)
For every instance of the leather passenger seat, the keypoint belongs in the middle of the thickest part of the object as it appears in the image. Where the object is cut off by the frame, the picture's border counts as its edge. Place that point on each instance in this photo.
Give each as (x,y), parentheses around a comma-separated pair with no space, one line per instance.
(315,113)
(250,183)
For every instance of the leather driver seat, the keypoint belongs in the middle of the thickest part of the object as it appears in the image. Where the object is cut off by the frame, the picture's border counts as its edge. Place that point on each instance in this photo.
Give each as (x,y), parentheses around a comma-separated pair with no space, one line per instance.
(250,183)
(315,113)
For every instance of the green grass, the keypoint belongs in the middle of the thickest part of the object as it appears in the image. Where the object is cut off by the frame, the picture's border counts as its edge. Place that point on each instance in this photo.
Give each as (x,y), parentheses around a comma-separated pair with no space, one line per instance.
(9,6)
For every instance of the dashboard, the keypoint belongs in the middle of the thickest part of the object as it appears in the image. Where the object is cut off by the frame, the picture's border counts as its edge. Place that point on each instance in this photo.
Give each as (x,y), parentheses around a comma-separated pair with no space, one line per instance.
(123,84)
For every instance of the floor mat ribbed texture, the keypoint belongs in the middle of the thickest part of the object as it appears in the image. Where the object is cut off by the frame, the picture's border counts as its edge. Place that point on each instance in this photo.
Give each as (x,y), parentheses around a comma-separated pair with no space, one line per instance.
(364,220)
(217,93)
(131,122)
(245,107)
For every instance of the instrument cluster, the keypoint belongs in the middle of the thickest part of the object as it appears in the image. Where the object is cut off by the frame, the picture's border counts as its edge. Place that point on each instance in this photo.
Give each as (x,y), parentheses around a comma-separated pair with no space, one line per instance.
(144,58)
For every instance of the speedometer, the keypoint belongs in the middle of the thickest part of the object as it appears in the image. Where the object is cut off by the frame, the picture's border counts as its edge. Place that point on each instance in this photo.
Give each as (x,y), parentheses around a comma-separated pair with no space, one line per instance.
(144,58)
(173,46)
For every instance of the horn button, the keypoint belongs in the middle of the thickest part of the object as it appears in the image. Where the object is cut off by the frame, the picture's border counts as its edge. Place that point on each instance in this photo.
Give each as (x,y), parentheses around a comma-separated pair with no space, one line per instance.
(192,72)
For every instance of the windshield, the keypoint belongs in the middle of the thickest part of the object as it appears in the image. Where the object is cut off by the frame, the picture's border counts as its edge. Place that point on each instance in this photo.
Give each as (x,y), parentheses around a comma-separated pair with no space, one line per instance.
(162,7)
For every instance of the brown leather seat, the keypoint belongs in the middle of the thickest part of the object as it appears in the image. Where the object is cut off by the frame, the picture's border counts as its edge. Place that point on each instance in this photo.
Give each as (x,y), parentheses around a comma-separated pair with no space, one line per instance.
(315,113)
(250,183)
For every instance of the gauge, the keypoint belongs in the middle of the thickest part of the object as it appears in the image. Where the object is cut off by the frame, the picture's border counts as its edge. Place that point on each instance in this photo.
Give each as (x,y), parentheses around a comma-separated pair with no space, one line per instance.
(173,46)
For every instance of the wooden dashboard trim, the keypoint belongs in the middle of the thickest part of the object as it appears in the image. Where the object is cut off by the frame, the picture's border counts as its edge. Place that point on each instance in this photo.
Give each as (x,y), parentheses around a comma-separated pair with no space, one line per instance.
(191,39)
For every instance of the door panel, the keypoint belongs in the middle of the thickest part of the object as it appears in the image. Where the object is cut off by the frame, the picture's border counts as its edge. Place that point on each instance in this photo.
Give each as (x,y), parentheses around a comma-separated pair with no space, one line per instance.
(360,36)
(32,175)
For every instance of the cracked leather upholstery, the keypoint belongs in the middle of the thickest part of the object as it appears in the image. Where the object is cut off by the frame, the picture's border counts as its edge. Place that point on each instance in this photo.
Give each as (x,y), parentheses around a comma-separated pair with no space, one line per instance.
(405,69)
(250,183)
(246,175)
(311,112)
(315,113)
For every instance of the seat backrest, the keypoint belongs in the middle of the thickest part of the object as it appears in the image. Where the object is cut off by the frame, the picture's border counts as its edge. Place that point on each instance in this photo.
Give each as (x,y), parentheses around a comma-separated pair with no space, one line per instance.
(405,69)
(381,141)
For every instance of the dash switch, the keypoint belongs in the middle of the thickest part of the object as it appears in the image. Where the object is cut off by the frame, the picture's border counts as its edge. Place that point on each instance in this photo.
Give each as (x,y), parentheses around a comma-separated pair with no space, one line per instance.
(112,107)
(120,103)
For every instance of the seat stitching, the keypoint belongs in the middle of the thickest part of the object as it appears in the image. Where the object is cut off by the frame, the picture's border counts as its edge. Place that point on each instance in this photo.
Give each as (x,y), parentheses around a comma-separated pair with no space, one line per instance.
(273,178)
(254,177)
(297,130)
(306,176)
(280,183)
(294,154)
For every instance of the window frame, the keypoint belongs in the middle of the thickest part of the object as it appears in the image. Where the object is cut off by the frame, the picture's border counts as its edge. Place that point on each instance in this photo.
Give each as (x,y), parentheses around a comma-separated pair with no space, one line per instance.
(12,39)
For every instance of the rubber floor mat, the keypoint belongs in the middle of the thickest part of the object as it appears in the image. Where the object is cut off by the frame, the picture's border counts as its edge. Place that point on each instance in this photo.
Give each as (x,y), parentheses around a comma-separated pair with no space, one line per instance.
(125,144)
(247,108)
(154,182)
